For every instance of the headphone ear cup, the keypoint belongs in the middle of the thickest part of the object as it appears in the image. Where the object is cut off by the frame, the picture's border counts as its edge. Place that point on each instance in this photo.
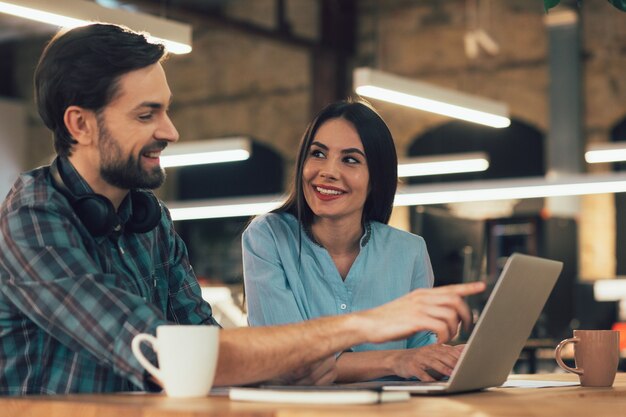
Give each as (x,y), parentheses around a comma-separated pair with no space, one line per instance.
(97,214)
(146,212)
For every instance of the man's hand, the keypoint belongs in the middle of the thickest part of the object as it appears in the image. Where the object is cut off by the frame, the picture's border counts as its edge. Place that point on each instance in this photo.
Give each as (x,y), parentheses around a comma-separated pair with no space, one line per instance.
(322,372)
(254,354)
(438,309)
(428,363)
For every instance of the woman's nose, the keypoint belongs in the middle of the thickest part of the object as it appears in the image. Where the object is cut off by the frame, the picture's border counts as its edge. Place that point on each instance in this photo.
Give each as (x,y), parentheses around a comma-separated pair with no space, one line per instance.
(329,170)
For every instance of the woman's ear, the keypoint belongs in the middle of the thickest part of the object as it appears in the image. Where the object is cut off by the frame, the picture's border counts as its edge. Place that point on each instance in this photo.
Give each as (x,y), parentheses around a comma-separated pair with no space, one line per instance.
(81,124)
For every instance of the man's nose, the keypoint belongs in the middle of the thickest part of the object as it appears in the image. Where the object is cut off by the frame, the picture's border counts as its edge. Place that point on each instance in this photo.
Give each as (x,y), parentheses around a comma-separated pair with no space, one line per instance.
(167,131)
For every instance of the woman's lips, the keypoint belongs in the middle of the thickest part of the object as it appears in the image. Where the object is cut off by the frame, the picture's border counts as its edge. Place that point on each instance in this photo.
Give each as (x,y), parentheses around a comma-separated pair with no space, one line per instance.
(327,193)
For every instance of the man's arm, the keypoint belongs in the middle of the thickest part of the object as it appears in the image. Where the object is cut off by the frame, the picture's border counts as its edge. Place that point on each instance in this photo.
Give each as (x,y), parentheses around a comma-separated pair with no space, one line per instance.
(250,355)
(185,304)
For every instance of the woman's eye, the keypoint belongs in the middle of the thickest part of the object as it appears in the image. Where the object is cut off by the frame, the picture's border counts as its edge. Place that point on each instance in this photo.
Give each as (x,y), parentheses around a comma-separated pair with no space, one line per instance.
(316,153)
(351,160)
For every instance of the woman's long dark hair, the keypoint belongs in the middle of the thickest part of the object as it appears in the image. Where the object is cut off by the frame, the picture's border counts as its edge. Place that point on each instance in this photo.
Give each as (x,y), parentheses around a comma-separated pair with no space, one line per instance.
(380,151)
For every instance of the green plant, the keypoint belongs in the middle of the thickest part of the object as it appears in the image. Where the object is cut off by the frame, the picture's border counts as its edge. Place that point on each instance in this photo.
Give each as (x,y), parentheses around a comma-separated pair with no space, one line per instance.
(619,4)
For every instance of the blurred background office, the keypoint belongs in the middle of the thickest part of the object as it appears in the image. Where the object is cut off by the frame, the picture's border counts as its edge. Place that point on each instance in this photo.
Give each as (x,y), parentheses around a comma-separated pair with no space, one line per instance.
(259,70)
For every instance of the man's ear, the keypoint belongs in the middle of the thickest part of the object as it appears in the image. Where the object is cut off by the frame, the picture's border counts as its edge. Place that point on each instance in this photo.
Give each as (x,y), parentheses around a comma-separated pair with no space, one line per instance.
(81,124)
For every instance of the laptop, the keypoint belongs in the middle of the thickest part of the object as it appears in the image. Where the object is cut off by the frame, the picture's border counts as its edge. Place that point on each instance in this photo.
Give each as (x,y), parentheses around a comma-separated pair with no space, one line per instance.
(501,331)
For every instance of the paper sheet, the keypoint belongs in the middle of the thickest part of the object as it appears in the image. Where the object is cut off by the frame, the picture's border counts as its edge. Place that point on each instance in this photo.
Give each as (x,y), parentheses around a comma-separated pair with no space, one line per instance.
(534,383)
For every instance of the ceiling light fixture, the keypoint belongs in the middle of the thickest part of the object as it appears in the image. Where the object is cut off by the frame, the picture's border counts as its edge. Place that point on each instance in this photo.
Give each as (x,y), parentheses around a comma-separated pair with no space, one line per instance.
(440,193)
(443,164)
(222,208)
(505,189)
(605,152)
(427,97)
(209,151)
(175,36)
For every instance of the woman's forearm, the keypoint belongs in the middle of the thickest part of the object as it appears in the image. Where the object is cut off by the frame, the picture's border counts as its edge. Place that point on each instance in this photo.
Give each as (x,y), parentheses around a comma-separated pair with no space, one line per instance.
(426,363)
(365,366)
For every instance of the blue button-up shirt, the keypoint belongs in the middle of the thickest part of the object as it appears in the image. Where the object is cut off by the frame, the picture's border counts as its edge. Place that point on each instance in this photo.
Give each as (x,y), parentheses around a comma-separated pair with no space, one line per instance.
(290,278)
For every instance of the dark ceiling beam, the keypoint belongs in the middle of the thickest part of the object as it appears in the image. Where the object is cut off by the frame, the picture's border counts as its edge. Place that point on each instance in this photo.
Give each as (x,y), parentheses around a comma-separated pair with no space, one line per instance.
(330,55)
(331,72)
(199,17)
(282,23)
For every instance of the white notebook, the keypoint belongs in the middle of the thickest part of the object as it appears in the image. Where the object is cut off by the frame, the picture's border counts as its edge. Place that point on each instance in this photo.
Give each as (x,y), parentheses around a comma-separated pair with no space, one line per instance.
(315,395)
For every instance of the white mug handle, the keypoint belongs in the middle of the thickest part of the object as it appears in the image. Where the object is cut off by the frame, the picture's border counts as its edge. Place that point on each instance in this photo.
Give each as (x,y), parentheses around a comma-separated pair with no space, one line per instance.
(135,345)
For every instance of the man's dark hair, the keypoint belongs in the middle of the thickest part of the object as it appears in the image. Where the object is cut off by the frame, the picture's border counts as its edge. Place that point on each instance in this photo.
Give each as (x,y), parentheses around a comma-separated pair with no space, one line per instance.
(382,161)
(82,67)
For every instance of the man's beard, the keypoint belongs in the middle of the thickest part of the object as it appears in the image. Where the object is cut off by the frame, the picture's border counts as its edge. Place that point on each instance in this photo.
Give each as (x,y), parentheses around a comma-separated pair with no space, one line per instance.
(126,174)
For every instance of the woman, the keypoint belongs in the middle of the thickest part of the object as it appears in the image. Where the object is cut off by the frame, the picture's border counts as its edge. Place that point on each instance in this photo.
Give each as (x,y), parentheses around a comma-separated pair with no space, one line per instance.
(328,250)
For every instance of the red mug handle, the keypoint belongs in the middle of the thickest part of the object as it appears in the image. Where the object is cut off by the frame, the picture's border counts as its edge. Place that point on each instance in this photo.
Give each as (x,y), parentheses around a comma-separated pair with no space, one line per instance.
(557,354)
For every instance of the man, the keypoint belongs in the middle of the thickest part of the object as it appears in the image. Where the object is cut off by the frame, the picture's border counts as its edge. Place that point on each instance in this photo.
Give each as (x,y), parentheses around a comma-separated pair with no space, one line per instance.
(89,258)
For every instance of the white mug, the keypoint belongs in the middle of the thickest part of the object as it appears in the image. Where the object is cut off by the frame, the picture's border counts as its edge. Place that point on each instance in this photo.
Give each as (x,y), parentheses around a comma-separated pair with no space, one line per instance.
(187,357)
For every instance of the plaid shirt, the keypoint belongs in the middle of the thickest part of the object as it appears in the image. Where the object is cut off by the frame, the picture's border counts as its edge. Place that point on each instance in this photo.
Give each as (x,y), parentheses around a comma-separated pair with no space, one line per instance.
(70,304)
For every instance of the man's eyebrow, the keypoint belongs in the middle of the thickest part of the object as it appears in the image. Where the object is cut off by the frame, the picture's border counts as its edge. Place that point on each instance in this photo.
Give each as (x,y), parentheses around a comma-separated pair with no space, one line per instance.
(153,104)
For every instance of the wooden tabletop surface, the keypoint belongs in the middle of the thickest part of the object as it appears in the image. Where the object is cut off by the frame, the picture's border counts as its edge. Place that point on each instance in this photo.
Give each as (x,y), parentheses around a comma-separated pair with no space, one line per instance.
(537,402)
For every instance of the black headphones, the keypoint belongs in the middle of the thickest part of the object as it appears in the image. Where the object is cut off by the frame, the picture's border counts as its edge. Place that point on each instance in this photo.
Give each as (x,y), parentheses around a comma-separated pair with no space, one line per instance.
(98,215)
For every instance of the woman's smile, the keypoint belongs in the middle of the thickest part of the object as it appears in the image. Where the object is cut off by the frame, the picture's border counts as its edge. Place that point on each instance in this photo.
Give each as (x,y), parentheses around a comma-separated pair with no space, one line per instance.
(328,193)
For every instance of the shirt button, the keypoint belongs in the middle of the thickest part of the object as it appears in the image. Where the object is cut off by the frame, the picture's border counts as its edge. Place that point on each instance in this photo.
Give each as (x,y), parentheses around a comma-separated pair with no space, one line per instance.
(343,306)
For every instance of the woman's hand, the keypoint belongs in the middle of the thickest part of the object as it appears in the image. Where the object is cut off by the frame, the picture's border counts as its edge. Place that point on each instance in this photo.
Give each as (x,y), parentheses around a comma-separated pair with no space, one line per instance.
(428,363)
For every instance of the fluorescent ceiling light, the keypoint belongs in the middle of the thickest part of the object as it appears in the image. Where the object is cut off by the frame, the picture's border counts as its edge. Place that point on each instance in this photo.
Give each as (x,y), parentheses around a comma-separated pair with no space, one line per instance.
(606,152)
(443,164)
(175,36)
(209,151)
(505,189)
(227,207)
(427,97)
(440,193)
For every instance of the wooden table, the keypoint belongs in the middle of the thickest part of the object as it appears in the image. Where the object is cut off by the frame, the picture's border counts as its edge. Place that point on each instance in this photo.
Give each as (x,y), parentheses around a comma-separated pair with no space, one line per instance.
(539,402)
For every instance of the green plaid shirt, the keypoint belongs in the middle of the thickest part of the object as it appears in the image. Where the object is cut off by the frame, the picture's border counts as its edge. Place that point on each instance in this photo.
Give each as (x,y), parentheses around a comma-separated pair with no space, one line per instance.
(70,304)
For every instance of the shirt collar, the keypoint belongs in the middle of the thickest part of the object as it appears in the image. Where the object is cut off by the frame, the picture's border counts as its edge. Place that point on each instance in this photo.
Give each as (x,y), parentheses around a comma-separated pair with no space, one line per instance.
(367,235)
(362,242)
(72,179)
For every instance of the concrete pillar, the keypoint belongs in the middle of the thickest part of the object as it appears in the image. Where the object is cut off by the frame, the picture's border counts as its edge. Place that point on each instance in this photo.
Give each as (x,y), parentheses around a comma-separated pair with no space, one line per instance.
(565,141)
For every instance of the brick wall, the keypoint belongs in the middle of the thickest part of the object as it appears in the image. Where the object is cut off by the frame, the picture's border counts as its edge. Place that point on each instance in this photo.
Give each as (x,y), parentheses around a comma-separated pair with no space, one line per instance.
(237,83)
